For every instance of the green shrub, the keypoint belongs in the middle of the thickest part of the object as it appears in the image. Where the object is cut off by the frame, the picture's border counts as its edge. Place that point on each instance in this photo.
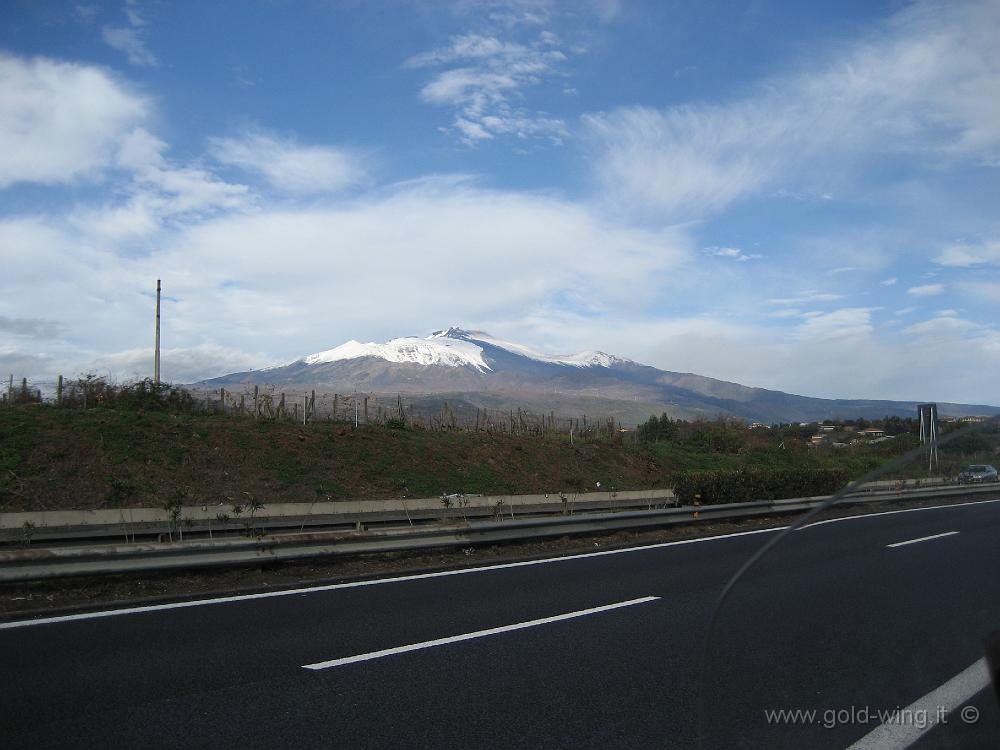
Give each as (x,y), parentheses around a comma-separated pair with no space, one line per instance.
(10,457)
(746,485)
(142,395)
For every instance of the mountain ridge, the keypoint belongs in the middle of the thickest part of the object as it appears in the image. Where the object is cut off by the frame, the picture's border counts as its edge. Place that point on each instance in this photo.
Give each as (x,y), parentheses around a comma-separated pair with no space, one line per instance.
(477,368)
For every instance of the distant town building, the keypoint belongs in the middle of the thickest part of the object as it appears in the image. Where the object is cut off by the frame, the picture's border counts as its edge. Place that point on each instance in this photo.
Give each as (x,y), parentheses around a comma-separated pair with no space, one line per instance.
(872,432)
(972,419)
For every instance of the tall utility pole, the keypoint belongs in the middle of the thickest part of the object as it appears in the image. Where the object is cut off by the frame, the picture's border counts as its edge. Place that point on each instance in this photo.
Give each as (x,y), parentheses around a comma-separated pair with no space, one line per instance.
(156,350)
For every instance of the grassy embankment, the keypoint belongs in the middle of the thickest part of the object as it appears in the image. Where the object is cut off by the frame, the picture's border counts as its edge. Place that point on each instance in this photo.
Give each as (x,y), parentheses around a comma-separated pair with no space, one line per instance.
(70,458)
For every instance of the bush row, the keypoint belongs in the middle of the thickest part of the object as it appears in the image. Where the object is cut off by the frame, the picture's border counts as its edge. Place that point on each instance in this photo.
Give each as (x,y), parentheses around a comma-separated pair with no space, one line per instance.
(91,390)
(745,485)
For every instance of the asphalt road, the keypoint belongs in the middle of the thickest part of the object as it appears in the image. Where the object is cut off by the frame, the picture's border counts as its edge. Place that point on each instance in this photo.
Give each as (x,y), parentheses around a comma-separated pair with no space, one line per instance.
(834,621)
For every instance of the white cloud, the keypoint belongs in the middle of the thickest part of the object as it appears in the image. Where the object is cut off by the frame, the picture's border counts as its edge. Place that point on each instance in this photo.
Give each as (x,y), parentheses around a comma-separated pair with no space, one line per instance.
(509,14)
(117,223)
(848,322)
(300,280)
(158,191)
(792,312)
(928,83)
(25,365)
(532,268)
(178,191)
(926,290)
(963,255)
(891,281)
(129,40)
(987,291)
(177,365)
(60,121)
(139,149)
(290,166)
(806,297)
(942,329)
(686,161)
(471,131)
(732,252)
(485,87)
(32,328)
(867,363)
(85,13)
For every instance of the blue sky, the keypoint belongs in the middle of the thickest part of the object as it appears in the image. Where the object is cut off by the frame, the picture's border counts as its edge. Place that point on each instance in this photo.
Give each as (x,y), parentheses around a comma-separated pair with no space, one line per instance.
(799,196)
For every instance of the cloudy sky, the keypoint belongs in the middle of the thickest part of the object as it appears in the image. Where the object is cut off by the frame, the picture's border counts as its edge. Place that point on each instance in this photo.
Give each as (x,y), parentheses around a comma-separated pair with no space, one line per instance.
(787,195)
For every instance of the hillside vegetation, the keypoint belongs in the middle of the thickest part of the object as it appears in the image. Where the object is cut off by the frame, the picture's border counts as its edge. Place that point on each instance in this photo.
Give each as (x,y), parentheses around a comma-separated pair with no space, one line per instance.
(100,457)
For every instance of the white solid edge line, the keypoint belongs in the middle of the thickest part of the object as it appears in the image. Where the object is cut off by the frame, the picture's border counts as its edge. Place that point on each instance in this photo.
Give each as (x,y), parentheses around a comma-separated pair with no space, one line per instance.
(437,574)
(894,512)
(921,539)
(369,582)
(475,634)
(895,735)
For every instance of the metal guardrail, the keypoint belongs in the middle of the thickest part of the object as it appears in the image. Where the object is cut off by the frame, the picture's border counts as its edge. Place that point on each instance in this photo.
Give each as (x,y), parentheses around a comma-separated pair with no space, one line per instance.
(196,529)
(108,526)
(40,563)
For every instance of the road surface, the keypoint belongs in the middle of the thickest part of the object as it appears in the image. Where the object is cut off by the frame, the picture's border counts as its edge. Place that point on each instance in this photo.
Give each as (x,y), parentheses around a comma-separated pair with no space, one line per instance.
(845,619)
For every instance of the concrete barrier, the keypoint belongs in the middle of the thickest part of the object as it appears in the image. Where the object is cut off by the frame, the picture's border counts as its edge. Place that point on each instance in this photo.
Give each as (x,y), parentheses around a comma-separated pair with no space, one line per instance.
(112,516)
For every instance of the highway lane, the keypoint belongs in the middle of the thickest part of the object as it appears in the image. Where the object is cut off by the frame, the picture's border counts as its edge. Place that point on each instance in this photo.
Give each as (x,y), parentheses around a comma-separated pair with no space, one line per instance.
(835,619)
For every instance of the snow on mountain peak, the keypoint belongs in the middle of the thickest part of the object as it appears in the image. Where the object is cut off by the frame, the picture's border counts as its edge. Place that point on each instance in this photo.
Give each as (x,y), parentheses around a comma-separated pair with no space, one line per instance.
(580,359)
(430,351)
(451,332)
(454,347)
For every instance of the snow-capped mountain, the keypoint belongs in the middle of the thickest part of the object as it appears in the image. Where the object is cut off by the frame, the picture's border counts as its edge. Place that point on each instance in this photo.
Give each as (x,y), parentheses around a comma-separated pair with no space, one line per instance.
(453,347)
(478,369)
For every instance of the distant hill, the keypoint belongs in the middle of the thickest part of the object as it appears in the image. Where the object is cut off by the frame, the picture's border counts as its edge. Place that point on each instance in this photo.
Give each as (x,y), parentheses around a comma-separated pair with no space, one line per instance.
(475,369)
